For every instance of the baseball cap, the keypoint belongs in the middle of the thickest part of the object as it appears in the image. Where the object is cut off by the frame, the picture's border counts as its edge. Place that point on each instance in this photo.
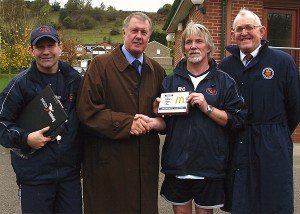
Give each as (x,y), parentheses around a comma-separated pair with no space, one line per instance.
(42,32)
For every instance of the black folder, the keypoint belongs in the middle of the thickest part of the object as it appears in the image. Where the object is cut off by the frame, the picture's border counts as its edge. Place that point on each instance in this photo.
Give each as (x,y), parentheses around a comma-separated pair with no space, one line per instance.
(44,110)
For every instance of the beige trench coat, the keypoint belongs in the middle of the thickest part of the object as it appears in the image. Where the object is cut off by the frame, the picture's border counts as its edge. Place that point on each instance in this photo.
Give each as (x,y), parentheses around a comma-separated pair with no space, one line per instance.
(120,171)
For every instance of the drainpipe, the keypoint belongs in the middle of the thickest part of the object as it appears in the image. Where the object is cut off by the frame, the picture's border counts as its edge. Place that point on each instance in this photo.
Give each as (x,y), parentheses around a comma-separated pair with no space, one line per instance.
(223,24)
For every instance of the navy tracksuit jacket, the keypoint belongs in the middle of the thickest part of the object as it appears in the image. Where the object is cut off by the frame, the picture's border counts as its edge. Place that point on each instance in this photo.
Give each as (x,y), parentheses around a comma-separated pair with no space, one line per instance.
(260,177)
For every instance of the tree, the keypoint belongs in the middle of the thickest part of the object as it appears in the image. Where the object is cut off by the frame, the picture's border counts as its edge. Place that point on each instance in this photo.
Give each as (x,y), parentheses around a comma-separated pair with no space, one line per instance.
(68,51)
(39,5)
(80,14)
(165,9)
(102,6)
(68,22)
(55,6)
(159,37)
(97,14)
(14,28)
(111,14)
(14,57)
(74,7)
(43,18)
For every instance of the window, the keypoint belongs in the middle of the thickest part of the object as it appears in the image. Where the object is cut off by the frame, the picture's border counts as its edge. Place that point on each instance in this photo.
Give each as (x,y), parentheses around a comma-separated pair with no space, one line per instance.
(281,29)
(158,51)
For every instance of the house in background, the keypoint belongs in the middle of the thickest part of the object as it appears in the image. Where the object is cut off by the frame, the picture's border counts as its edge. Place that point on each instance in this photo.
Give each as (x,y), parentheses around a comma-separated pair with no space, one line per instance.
(89,47)
(160,54)
(107,46)
(282,19)
(97,51)
(80,50)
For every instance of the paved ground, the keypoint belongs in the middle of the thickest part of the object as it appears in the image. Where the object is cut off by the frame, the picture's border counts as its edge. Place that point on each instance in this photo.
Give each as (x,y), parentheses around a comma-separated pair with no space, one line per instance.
(9,192)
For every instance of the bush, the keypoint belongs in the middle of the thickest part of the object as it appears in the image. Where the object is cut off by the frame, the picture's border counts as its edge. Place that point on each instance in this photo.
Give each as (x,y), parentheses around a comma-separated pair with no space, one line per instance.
(68,22)
(114,32)
(62,14)
(85,22)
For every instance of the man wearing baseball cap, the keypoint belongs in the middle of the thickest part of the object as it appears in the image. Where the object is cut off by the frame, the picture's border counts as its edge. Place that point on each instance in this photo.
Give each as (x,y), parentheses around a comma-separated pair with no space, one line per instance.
(49,178)
(43,32)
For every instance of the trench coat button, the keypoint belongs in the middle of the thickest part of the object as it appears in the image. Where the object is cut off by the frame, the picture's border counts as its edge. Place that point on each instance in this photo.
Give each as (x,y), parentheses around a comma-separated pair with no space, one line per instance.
(117,124)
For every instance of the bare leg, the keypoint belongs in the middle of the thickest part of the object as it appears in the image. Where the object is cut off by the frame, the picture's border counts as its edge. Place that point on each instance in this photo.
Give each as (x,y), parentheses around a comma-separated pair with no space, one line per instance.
(183,209)
(203,211)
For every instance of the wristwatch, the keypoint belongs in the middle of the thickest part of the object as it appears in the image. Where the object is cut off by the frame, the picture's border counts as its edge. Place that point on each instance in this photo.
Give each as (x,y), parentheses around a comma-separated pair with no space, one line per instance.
(209,109)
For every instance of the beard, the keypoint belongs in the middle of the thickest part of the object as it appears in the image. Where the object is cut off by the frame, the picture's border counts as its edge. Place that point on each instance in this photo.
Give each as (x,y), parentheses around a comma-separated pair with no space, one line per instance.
(194,59)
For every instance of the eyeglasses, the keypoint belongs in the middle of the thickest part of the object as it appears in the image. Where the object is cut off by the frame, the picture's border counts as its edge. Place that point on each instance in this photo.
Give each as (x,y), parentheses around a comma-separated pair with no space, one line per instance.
(248,28)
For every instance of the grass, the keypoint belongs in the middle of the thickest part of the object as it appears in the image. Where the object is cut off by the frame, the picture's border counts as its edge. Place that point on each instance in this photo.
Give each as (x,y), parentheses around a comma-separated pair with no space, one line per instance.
(4,79)
(93,36)
(101,32)
(98,34)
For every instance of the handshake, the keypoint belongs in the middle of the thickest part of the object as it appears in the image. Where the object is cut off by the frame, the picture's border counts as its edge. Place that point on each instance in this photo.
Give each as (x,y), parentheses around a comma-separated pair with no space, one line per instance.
(143,124)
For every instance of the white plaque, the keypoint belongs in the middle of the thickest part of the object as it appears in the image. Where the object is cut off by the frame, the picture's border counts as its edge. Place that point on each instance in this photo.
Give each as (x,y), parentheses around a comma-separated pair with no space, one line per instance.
(173,103)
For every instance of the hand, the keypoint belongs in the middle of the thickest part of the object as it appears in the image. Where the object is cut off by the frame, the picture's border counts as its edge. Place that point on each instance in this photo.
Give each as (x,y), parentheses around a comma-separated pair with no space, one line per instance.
(197,100)
(36,140)
(139,126)
(155,105)
(156,123)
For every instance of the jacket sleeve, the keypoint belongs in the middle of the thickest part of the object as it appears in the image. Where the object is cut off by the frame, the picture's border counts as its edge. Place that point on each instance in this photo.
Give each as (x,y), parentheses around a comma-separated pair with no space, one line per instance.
(93,112)
(11,102)
(234,106)
(292,97)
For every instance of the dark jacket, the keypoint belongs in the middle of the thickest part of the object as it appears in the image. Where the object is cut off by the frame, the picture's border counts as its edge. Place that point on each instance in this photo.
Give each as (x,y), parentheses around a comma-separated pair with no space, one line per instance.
(120,170)
(57,160)
(261,164)
(195,144)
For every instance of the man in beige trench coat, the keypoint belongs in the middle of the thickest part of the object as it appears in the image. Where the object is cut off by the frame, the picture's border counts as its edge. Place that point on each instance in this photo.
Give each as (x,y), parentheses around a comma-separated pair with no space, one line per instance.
(121,147)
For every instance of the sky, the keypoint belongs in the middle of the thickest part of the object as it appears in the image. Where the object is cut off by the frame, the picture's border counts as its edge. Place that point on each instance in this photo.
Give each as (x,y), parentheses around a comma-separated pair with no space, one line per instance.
(128,5)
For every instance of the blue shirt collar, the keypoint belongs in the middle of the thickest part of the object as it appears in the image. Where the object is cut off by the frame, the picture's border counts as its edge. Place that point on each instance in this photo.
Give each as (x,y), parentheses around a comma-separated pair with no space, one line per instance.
(131,58)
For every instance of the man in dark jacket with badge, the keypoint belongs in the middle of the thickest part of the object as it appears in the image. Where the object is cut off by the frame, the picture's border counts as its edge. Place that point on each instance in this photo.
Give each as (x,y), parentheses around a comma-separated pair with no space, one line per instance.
(47,169)
(260,179)
(195,151)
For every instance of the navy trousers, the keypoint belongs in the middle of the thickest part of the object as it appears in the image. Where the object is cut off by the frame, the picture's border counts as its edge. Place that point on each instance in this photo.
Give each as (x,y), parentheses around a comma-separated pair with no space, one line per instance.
(61,197)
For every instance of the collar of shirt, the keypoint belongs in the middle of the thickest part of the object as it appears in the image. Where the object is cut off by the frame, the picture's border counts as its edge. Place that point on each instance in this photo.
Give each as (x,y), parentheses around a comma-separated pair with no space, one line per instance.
(254,53)
(131,58)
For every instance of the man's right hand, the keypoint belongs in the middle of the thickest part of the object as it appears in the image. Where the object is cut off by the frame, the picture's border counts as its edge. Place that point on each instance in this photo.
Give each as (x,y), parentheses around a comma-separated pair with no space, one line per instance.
(36,140)
(139,126)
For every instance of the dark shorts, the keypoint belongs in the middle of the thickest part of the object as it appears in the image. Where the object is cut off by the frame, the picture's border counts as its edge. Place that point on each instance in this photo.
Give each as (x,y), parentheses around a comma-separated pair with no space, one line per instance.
(206,193)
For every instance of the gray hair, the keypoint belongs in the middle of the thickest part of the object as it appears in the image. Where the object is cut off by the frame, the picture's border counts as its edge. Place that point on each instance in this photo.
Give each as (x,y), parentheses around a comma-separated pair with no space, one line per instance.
(140,16)
(196,29)
(244,12)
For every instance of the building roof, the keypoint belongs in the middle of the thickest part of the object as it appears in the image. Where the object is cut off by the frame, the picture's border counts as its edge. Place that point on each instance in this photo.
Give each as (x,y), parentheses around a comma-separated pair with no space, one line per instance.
(179,11)
(159,44)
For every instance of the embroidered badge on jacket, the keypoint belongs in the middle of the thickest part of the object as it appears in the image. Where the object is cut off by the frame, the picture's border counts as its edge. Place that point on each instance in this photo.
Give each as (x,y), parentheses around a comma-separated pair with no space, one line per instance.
(268,73)
(211,91)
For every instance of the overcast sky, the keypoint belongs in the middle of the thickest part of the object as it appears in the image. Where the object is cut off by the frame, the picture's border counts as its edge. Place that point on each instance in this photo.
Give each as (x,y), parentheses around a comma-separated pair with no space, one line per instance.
(128,5)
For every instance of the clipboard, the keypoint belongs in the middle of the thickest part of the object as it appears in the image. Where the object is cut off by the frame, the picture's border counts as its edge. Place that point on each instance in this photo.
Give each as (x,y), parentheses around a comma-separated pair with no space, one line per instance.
(44,110)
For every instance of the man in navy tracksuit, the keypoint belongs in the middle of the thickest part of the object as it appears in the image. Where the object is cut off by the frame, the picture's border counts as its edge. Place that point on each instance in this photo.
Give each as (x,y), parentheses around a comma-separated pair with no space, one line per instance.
(195,151)
(48,179)
(260,179)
